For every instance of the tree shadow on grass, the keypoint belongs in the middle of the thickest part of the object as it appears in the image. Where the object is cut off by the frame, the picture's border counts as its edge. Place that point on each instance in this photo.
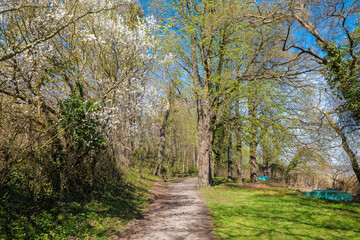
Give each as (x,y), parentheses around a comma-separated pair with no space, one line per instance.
(290,223)
(282,214)
(218,181)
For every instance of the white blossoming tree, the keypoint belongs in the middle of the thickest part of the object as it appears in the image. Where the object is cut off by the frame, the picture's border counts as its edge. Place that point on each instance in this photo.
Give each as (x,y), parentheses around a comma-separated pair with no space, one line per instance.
(95,57)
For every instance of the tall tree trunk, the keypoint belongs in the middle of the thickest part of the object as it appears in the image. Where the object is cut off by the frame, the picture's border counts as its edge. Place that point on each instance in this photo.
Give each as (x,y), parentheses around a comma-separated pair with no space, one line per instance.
(238,143)
(265,163)
(253,165)
(214,155)
(195,158)
(229,157)
(160,154)
(205,132)
(252,141)
(186,161)
(205,138)
(206,135)
(212,163)
(168,98)
(239,156)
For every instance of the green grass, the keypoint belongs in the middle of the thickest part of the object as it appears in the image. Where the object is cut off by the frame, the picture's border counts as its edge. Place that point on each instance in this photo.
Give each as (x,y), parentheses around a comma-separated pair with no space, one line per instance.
(102,216)
(248,213)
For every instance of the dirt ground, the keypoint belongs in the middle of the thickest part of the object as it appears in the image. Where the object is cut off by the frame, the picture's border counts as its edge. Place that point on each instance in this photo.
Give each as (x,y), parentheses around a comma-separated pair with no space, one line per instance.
(178,212)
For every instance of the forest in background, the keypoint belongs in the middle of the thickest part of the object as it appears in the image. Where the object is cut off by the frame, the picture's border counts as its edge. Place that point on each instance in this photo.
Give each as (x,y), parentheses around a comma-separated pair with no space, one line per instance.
(92,91)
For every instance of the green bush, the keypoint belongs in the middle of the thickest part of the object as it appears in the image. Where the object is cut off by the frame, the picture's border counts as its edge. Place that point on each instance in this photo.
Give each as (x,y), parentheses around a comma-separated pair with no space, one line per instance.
(80,122)
(192,170)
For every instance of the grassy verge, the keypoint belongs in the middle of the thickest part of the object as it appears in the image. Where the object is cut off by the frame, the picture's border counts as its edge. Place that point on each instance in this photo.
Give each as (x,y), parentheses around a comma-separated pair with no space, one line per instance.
(252,213)
(102,216)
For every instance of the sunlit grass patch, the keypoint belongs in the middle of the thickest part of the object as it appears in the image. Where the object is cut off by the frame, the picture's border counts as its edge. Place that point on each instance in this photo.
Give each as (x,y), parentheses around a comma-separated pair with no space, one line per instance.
(253,213)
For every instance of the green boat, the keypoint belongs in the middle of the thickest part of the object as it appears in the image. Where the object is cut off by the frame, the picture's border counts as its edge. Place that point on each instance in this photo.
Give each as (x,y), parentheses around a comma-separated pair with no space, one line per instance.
(330,195)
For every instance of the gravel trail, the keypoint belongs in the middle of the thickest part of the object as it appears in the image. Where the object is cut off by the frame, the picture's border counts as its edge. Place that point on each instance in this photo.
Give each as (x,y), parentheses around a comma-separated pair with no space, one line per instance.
(178,212)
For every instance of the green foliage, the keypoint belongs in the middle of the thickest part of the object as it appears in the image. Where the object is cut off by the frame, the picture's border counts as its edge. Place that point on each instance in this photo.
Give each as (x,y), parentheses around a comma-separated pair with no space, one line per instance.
(133,15)
(343,76)
(80,122)
(22,218)
(241,212)
(192,170)
(144,160)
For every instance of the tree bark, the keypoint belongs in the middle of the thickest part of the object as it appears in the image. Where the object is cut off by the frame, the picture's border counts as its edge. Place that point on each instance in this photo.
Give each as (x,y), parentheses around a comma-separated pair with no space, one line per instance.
(253,165)
(160,154)
(205,138)
(195,158)
(252,141)
(168,98)
(206,135)
(265,163)
(238,143)
(205,132)
(229,157)
(212,162)
(239,156)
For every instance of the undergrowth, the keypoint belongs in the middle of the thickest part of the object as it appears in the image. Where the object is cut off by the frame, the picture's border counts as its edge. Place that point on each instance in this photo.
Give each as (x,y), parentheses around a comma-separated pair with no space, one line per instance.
(99,216)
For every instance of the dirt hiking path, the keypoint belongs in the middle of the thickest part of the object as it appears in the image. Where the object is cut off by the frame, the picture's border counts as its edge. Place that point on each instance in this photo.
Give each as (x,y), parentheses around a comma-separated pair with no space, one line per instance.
(178,212)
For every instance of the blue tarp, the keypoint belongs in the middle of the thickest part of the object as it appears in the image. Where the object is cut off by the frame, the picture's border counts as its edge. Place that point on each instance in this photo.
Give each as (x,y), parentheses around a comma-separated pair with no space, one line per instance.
(330,195)
(263,178)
